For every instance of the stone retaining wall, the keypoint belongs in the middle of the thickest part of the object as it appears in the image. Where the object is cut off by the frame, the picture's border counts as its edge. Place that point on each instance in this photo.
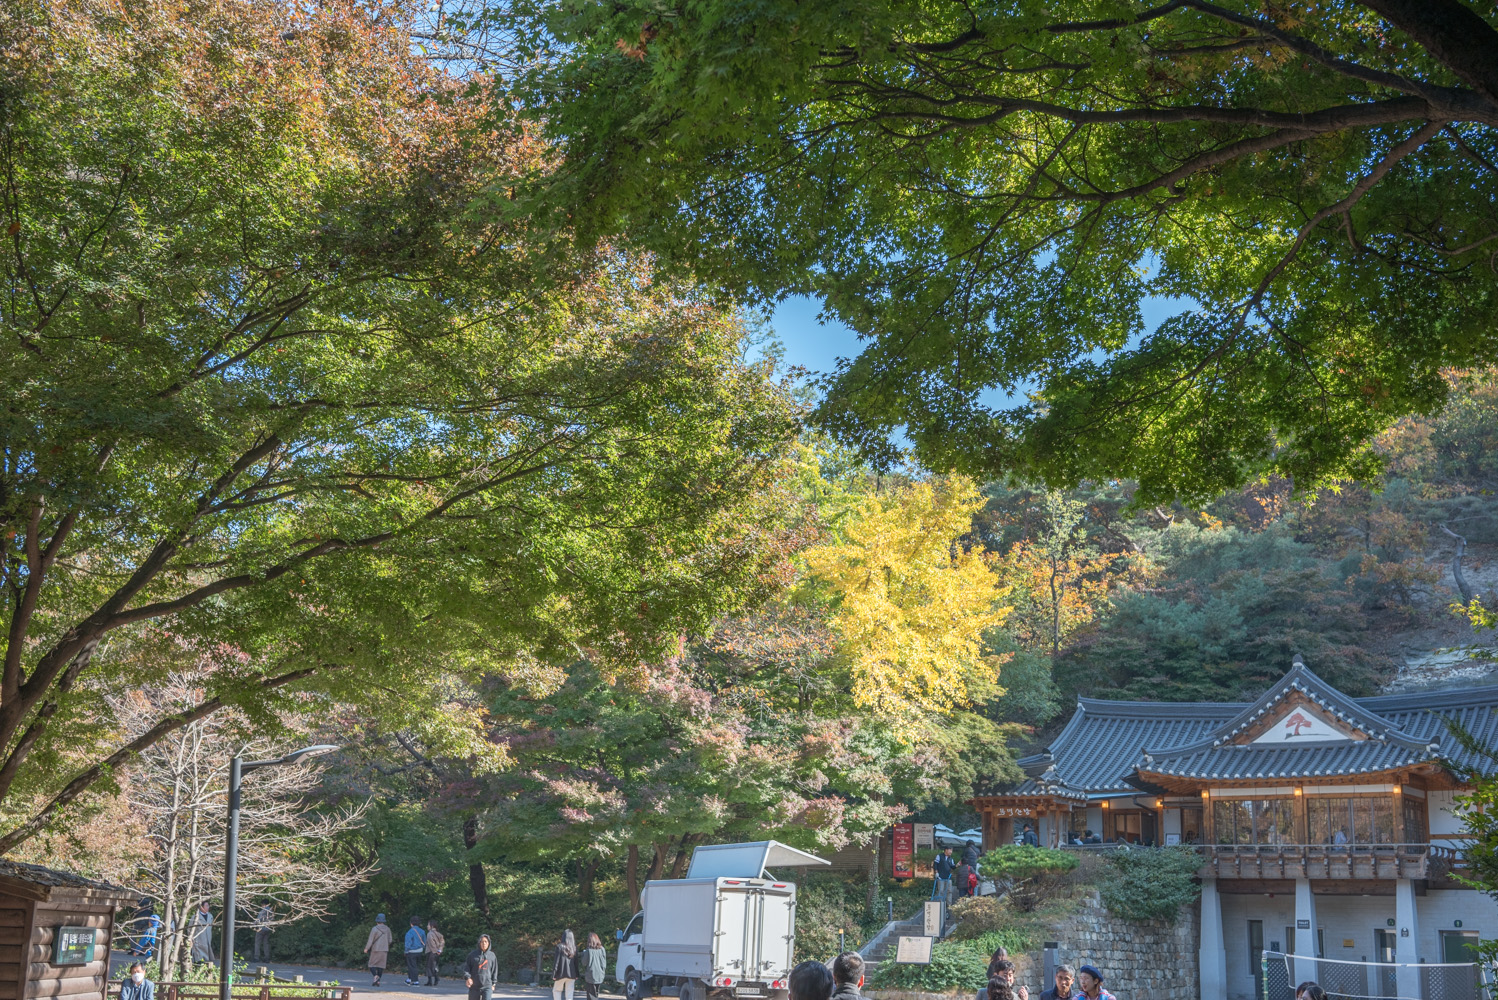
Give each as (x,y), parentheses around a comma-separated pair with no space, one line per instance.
(1149,960)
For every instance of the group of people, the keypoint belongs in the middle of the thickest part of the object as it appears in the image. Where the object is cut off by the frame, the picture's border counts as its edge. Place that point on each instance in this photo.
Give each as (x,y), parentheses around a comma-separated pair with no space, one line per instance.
(423,952)
(962,874)
(1070,984)
(147,931)
(422,949)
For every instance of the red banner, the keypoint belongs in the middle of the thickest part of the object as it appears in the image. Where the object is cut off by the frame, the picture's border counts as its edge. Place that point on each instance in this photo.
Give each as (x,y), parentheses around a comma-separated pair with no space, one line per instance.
(904,853)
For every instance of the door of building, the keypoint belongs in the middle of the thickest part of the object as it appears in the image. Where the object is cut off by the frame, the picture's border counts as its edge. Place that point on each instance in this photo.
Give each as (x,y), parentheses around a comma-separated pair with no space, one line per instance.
(1383,951)
(1458,946)
(1256,954)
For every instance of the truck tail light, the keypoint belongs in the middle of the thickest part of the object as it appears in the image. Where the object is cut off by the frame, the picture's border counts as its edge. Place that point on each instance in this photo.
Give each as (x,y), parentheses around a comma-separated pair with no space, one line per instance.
(723,981)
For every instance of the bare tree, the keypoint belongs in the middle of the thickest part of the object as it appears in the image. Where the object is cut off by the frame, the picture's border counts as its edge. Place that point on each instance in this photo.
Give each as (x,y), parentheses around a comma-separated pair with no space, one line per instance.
(179,785)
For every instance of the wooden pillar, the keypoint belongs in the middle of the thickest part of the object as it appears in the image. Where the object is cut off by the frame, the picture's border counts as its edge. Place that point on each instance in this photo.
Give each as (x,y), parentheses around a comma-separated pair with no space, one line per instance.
(1209,828)
(1302,826)
(1004,832)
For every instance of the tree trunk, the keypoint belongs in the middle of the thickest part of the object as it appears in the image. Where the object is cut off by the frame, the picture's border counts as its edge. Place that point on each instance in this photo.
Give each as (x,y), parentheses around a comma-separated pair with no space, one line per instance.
(355,904)
(873,875)
(682,853)
(658,859)
(586,869)
(477,881)
(632,878)
(1456,565)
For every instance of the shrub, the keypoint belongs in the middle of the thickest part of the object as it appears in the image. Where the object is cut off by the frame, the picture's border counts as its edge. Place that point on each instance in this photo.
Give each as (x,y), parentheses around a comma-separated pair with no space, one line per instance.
(1149,884)
(976,916)
(955,965)
(1033,873)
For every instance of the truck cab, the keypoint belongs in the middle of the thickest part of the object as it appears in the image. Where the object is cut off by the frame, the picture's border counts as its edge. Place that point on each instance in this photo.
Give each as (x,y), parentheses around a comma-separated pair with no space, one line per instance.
(627,963)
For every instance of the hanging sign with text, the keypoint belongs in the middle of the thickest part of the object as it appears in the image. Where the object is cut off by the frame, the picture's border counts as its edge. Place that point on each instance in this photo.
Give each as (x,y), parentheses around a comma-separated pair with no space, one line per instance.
(904,852)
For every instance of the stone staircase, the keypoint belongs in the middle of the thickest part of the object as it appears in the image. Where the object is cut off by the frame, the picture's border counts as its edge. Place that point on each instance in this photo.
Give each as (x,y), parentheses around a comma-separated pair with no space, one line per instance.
(882,945)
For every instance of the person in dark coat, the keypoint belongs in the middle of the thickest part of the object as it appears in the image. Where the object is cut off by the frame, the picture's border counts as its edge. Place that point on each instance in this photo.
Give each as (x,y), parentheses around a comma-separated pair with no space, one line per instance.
(971,854)
(481,970)
(847,976)
(564,967)
(998,960)
(941,870)
(811,981)
(1065,988)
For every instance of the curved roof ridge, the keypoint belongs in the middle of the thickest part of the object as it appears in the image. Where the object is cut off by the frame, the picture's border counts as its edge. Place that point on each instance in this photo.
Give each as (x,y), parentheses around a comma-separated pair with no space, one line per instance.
(1107,706)
(1300,678)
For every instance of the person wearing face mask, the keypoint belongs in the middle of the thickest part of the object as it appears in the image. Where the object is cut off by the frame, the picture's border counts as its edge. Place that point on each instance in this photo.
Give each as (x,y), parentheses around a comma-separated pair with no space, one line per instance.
(137,986)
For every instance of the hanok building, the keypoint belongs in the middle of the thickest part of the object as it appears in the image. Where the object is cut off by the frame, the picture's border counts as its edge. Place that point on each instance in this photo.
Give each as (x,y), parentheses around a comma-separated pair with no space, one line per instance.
(1327,825)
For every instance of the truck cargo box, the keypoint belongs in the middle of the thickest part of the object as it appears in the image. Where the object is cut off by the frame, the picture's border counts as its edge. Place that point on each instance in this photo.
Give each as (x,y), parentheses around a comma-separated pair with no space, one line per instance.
(719,928)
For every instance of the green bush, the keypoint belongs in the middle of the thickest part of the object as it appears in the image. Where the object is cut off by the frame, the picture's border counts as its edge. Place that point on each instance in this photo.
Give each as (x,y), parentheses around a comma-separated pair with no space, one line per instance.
(955,965)
(1032,873)
(1015,862)
(1150,884)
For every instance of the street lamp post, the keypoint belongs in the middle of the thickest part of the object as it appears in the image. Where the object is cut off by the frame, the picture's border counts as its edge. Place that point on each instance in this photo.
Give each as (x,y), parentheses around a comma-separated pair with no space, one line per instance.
(237,769)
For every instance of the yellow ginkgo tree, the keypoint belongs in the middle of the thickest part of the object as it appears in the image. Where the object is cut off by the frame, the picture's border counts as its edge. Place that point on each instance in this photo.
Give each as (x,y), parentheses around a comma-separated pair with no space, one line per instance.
(911,603)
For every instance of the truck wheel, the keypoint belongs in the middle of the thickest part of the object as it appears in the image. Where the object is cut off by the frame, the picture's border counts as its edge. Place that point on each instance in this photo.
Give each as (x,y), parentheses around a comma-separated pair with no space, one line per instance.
(633,988)
(692,989)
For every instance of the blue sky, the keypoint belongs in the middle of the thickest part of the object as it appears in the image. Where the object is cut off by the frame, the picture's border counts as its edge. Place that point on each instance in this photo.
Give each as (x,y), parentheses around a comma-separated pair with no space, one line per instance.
(816,346)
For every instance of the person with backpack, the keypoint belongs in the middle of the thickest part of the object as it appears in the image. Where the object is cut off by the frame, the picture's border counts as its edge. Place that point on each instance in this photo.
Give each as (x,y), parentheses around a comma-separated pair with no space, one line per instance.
(594,966)
(416,949)
(564,968)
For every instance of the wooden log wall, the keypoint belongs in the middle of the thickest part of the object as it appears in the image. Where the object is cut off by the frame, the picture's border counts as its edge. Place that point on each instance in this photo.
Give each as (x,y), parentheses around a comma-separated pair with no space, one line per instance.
(27,932)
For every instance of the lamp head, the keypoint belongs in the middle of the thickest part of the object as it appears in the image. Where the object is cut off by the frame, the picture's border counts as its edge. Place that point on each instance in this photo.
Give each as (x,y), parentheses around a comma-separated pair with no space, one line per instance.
(316,750)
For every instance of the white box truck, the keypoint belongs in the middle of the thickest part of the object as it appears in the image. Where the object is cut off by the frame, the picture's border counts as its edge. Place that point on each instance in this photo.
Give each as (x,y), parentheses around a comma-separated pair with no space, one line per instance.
(726,930)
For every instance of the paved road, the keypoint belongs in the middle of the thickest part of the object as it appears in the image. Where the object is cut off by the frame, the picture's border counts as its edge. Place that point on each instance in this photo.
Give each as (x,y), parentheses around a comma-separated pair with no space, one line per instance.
(394,982)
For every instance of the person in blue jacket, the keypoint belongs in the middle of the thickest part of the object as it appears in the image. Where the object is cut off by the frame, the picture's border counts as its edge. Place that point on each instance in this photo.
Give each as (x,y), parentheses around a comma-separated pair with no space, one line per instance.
(416,950)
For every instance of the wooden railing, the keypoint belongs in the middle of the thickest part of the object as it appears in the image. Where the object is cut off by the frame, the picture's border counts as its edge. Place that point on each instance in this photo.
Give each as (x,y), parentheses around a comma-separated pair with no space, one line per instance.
(1330,861)
(1334,861)
(248,989)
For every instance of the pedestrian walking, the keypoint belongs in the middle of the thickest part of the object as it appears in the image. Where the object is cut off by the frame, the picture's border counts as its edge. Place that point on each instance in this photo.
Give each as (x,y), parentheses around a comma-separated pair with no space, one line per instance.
(564,968)
(1065,988)
(377,947)
(962,873)
(136,986)
(847,976)
(595,962)
(416,950)
(263,920)
(1028,838)
(435,944)
(1091,981)
(810,981)
(971,854)
(202,934)
(481,969)
(942,869)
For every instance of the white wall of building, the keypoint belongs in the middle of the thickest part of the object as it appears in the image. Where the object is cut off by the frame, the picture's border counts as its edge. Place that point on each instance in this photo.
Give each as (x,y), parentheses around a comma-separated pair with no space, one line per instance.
(1344,919)
(1441,810)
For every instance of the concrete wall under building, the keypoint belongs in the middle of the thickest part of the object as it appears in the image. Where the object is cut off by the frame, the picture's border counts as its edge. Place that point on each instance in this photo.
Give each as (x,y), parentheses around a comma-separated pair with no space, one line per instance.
(1347,926)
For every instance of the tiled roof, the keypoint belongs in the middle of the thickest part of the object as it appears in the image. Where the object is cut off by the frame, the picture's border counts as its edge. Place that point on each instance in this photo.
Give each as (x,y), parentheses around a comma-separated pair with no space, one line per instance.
(1106,741)
(1312,760)
(1424,714)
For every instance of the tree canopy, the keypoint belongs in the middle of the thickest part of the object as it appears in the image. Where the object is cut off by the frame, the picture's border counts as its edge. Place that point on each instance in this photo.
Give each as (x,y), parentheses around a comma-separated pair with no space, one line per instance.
(989,193)
(272,383)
